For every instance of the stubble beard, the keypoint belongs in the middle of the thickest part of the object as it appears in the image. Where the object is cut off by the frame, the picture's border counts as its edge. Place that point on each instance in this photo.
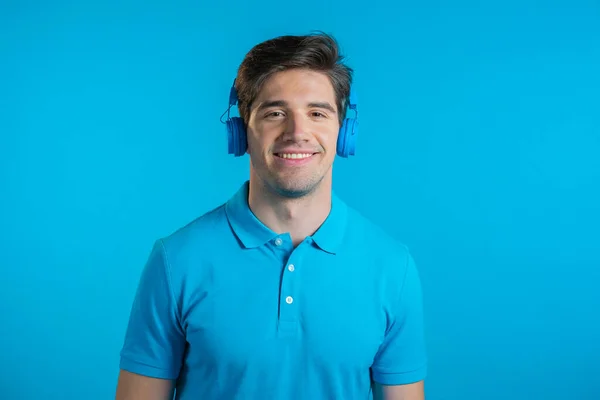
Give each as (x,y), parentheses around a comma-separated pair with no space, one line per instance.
(292,184)
(296,187)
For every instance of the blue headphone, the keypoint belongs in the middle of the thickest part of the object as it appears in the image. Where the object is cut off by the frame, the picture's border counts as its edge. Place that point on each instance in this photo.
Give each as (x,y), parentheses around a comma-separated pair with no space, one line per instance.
(236,130)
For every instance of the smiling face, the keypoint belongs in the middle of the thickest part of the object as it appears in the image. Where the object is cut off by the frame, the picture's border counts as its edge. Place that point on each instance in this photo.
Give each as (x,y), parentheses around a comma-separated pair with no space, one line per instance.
(292,130)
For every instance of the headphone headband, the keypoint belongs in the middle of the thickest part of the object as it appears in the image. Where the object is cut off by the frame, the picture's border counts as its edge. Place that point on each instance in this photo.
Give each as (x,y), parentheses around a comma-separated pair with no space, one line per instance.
(233,97)
(352,100)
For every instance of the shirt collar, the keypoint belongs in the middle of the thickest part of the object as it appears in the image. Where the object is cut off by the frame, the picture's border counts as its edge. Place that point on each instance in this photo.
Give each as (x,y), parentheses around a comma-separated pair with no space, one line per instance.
(253,233)
(330,234)
(246,226)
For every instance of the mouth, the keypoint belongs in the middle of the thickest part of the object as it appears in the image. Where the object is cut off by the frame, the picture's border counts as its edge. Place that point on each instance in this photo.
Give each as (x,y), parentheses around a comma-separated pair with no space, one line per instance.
(294,156)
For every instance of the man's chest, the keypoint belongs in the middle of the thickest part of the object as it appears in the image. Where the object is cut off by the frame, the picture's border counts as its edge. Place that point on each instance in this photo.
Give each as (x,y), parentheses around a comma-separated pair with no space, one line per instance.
(296,311)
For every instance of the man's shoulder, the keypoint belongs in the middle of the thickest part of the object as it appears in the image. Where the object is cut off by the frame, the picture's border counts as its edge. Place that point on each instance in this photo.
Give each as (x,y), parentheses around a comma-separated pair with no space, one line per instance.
(375,248)
(372,241)
(201,233)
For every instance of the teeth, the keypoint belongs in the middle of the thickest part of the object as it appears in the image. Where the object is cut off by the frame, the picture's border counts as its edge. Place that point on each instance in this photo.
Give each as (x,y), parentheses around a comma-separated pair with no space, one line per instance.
(295,155)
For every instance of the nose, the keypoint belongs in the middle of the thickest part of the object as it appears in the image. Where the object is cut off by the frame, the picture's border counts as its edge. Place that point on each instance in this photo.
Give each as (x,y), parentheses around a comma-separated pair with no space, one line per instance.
(296,128)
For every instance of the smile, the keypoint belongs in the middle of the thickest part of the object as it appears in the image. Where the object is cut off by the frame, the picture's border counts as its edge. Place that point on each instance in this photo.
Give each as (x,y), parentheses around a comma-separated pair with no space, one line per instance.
(294,159)
(293,156)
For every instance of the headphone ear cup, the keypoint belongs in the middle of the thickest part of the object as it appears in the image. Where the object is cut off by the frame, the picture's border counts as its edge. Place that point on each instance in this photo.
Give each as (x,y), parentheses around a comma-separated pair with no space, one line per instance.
(236,136)
(346,143)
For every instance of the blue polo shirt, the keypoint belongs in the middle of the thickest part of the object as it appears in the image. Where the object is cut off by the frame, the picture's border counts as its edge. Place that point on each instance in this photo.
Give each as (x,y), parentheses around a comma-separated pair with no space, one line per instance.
(231,310)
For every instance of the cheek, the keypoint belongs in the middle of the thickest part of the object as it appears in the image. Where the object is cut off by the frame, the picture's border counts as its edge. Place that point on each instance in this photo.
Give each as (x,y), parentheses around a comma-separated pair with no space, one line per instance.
(329,140)
(255,141)
(262,138)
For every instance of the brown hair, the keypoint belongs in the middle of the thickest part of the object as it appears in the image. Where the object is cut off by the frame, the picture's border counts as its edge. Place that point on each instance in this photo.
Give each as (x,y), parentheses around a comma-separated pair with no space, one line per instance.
(318,52)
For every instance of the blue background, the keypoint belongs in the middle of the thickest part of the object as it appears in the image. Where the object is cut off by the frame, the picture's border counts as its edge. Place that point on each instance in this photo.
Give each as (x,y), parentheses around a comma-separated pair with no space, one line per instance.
(479,148)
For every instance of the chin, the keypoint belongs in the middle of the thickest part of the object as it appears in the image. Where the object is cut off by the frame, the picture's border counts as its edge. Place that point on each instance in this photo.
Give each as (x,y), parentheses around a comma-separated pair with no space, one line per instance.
(296,188)
(293,193)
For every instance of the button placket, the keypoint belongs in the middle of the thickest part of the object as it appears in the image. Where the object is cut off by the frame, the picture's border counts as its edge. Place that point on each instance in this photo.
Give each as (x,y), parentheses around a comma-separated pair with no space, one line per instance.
(289,288)
(291,279)
(290,285)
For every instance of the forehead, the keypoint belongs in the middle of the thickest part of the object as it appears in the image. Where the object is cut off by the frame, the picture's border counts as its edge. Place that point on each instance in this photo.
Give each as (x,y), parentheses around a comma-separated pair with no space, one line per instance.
(297,84)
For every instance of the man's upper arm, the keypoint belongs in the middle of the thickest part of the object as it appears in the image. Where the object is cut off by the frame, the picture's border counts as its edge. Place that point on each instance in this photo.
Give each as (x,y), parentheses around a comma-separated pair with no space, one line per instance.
(401,358)
(154,341)
(138,387)
(410,391)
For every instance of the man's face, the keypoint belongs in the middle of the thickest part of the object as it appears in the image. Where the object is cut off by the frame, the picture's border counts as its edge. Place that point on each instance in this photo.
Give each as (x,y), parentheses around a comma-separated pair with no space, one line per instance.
(292,132)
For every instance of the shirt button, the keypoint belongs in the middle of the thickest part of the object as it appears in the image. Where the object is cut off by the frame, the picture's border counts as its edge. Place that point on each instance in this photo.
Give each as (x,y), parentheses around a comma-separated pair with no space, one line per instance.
(278,242)
(289,300)
(291,267)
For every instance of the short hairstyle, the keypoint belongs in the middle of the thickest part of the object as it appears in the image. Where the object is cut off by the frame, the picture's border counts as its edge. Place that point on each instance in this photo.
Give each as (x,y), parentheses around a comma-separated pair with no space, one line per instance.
(318,52)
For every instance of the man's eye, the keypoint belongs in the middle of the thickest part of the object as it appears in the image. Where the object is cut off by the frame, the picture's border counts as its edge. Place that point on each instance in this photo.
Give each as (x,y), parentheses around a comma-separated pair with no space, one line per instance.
(274,114)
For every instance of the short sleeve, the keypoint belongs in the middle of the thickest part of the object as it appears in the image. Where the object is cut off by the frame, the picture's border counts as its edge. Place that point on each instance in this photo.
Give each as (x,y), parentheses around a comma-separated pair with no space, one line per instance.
(154,340)
(401,358)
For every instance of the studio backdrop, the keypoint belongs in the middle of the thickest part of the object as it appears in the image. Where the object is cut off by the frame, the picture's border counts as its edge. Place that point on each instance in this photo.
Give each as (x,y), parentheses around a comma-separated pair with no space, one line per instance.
(479,148)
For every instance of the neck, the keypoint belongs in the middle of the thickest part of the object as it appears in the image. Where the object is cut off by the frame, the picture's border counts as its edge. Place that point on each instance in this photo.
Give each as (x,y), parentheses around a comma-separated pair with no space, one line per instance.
(300,217)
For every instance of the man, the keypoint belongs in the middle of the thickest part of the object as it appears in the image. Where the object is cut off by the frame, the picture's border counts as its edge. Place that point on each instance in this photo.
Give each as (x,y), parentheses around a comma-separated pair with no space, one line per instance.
(283,292)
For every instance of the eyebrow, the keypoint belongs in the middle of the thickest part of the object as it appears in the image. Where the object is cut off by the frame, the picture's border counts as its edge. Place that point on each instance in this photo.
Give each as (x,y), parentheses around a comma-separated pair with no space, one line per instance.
(282,103)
